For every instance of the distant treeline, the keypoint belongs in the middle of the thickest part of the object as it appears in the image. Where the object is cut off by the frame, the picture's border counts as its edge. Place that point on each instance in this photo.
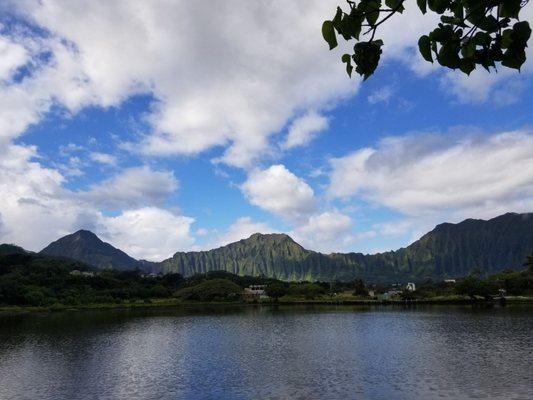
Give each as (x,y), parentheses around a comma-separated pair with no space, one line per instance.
(35,280)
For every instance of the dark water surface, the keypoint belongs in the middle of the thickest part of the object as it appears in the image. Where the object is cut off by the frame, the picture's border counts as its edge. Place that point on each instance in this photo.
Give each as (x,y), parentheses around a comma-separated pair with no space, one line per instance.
(320,352)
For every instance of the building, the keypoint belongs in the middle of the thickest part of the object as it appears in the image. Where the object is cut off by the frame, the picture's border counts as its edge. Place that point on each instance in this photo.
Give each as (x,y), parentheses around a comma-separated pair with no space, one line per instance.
(410,287)
(254,293)
(449,280)
(388,295)
(81,273)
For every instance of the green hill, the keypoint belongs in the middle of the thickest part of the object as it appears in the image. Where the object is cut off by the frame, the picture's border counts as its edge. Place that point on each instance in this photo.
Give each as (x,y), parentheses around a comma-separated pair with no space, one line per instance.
(86,247)
(450,250)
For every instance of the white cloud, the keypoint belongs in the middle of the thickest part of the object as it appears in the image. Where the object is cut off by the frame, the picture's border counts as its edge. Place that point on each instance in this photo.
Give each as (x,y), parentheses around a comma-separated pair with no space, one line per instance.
(132,187)
(149,233)
(304,129)
(242,228)
(35,208)
(381,95)
(103,158)
(12,56)
(232,84)
(280,192)
(473,175)
(328,231)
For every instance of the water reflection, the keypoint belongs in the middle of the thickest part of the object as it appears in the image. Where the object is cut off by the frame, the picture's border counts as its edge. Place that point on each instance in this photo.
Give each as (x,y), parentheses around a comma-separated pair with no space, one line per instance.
(309,352)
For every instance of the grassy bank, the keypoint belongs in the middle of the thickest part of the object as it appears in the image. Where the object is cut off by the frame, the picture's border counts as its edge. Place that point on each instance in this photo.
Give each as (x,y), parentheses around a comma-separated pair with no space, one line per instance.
(174,302)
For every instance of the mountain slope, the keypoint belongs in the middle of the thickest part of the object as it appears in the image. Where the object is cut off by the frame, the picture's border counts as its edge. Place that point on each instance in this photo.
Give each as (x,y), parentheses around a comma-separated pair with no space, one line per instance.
(86,247)
(449,250)
(9,249)
(272,255)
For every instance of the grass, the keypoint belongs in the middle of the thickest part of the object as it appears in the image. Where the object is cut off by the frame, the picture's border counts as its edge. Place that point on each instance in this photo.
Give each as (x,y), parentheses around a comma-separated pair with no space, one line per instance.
(285,300)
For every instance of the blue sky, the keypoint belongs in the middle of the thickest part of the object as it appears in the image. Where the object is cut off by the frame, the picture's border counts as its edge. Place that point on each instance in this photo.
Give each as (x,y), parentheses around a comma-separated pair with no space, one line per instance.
(129,119)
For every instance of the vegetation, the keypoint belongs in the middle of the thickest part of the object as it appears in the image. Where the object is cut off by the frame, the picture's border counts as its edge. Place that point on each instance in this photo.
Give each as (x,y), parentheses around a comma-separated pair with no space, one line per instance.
(35,280)
(276,290)
(470,33)
(448,251)
(86,247)
(212,290)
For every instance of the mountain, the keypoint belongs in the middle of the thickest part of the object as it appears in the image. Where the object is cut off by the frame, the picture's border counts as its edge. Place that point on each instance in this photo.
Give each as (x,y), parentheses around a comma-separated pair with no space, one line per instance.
(271,255)
(9,249)
(86,247)
(449,250)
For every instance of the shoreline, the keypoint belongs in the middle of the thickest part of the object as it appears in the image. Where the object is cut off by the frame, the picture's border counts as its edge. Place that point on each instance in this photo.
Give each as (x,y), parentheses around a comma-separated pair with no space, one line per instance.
(173,303)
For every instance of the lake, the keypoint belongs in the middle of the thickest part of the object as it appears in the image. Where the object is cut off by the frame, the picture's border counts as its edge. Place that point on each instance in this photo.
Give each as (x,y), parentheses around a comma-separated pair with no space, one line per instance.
(293,352)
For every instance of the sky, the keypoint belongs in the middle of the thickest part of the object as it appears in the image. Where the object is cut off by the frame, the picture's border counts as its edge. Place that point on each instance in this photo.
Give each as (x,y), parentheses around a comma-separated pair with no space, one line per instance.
(169,126)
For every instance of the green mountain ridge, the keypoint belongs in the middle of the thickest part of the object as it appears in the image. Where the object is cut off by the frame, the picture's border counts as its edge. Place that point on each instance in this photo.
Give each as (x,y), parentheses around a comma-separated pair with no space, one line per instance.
(448,251)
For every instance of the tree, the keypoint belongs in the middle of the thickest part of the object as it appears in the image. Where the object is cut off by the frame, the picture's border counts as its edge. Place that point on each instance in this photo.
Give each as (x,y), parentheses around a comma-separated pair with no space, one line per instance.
(360,289)
(470,33)
(529,263)
(276,290)
(307,290)
(472,287)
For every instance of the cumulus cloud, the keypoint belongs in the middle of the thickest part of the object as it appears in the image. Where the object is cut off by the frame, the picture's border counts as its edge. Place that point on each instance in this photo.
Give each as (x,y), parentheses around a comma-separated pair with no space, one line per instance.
(35,208)
(232,84)
(381,95)
(304,129)
(327,231)
(280,192)
(242,228)
(12,56)
(469,175)
(149,233)
(132,187)
(103,158)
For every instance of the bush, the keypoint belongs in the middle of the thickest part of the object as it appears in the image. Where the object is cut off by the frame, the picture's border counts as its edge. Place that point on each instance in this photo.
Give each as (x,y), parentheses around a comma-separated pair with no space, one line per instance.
(276,290)
(473,287)
(307,290)
(212,290)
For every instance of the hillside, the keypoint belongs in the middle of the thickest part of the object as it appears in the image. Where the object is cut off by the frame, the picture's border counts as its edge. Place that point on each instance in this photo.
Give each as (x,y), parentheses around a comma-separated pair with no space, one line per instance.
(86,247)
(271,255)
(449,250)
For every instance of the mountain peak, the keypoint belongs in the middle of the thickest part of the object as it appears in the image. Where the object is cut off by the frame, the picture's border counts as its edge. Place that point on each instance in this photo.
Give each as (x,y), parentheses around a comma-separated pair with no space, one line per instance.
(270,236)
(85,246)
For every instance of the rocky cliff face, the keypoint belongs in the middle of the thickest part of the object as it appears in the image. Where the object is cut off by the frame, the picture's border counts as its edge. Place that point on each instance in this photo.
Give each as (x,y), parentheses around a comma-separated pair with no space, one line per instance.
(449,250)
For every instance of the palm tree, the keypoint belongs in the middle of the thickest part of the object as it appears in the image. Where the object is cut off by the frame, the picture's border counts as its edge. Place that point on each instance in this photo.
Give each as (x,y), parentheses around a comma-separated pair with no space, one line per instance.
(529,262)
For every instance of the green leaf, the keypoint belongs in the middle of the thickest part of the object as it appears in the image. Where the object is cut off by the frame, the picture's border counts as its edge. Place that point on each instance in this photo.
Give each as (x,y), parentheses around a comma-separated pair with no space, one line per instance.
(482,39)
(522,32)
(468,49)
(424,45)
(422,4)
(395,5)
(328,32)
(467,66)
(366,57)
(439,6)
(338,17)
(371,7)
(510,8)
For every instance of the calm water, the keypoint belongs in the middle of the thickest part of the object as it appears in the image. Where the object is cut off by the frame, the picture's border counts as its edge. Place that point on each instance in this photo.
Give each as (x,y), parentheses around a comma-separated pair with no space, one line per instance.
(259,353)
